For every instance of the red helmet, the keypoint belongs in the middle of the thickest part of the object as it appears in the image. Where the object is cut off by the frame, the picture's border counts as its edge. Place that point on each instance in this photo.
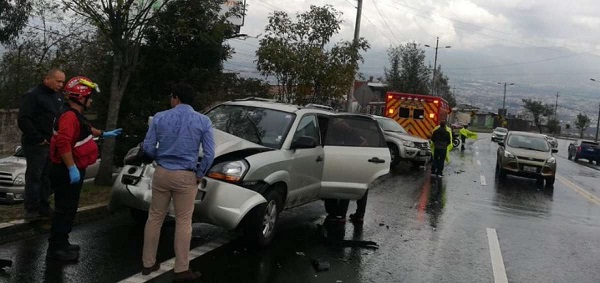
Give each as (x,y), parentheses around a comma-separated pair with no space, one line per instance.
(80,87)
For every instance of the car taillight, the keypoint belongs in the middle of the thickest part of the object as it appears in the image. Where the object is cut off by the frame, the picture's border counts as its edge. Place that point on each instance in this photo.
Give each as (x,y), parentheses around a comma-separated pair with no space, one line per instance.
(579,149)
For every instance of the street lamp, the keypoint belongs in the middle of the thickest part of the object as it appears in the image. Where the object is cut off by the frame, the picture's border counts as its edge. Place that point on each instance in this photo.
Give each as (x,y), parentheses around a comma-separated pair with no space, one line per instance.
(437,41)
(597,122)
(504,99)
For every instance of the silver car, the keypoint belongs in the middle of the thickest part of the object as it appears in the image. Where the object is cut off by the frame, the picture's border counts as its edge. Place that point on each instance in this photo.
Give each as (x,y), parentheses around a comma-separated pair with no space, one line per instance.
(499,134)
(12,176)
(402,145)
(270,157)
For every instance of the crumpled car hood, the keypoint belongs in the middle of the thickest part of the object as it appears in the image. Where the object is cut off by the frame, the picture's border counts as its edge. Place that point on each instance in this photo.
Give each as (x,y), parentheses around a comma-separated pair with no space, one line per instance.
(226,143)
(406,137)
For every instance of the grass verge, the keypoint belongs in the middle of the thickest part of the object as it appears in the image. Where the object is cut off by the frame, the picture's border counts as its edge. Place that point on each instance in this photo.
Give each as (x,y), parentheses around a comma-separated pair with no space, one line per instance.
(90,195)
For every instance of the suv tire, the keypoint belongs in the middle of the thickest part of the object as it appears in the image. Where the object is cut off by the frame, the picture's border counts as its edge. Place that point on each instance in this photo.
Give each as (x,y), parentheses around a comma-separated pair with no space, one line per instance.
(395,153)
(260,222)
(139,216)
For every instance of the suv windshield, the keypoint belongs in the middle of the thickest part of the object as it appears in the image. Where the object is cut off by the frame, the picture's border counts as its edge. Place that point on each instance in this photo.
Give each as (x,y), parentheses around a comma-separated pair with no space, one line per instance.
(390,125)
(502,130)
(528,142)
(259,125)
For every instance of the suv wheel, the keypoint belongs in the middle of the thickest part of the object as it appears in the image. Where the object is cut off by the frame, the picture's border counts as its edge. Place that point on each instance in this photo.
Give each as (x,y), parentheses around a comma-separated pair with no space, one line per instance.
(395,153)
(139,216)
(570,156)
(261,221)
(576,158)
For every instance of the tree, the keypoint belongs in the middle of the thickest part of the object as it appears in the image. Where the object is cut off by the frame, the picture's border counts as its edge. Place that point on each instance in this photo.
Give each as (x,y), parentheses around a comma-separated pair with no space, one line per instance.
(443,89)
(50,40)
(13,17)
(295,53)
(553,125)
(537,110)
(414,75)
(184,43)
(123,24)
(582,123)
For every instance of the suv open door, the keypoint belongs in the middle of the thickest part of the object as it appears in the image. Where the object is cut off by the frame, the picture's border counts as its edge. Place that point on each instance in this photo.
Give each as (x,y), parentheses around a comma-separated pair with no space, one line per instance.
(355,155)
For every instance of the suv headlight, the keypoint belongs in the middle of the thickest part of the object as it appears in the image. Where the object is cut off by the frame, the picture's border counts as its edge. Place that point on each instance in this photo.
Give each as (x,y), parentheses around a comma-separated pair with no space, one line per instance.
(408,143)
(19,180)
(509,155)
(551,160)
(230,171)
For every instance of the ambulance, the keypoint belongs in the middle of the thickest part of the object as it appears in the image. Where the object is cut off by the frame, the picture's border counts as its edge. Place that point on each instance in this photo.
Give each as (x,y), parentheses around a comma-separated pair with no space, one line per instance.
(417,114)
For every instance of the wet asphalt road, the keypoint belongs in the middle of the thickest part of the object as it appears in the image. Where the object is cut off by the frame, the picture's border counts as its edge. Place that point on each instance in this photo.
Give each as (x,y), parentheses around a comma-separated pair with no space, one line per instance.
(428,230)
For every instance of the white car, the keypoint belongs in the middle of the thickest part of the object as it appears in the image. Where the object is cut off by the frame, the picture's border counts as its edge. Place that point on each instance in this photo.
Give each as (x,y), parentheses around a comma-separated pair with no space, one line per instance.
(12,176)
(499,134)
(270,157)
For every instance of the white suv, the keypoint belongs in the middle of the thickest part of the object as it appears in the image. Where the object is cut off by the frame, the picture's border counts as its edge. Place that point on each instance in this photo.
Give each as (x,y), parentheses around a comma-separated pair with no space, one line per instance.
(269,157)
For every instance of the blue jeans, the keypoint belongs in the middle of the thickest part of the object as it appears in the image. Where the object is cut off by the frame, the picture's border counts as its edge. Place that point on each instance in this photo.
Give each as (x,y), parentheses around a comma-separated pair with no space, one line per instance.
(37,183)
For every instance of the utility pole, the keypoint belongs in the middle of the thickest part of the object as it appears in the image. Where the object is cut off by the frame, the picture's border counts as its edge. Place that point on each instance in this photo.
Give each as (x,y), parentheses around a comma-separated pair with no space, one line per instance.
(437,41)
(355,43)
(556,106)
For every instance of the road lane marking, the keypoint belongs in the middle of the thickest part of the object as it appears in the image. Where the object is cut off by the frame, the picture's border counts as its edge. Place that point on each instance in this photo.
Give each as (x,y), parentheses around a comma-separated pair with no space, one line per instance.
(496,255)
(589,196)
(482,179)
(168,265)
(478,162)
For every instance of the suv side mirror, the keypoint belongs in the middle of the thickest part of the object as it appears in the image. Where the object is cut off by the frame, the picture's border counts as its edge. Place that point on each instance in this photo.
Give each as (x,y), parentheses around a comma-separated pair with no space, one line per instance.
(501,143)
(304,142)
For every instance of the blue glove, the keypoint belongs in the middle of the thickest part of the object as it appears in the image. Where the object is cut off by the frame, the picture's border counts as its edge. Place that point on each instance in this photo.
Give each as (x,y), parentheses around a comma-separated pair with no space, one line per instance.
(112,134)
(74,174)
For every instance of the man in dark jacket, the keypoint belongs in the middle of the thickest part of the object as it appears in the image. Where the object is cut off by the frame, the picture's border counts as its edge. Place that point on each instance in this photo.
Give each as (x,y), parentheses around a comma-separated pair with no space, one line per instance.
(441,139)
(39,107)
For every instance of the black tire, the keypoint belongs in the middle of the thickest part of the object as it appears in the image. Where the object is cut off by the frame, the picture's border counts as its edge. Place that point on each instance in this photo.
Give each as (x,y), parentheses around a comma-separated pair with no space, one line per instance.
(139,216)
(591,161)
(502,174)
(395,154)
(570,157)
(550,181)
(456,143)
(576,158)
(540,181)
(417,164)
(260,223)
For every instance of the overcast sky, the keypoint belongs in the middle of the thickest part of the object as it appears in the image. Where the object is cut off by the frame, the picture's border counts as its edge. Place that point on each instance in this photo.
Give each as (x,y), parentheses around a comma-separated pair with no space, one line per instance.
(490,39)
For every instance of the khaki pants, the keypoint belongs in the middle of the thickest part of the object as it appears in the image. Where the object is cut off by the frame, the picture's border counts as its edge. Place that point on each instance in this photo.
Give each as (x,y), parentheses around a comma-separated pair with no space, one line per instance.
(181,187)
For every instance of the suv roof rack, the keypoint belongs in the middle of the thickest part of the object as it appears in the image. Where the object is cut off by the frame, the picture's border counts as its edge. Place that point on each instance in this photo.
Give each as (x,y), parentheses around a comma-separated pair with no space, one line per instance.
(319,106)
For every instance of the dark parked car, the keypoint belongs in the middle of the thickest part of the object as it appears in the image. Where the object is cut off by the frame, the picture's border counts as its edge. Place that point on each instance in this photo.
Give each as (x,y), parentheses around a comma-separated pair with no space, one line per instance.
(582,149)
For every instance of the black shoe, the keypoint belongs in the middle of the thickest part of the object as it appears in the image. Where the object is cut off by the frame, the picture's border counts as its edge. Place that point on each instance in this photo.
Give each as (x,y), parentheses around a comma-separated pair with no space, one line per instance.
(148,270)
(62,255)
(74,248)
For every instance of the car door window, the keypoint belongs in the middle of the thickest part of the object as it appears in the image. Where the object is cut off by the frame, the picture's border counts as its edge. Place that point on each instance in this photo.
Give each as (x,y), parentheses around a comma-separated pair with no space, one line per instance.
(354,132)
(308,127)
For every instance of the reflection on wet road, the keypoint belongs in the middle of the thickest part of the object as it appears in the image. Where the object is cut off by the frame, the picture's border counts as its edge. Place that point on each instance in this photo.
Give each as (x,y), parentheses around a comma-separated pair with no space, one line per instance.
(426,230)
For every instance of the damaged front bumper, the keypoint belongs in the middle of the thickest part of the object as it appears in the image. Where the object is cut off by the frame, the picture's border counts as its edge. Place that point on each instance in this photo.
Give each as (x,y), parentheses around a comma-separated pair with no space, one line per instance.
(217,202)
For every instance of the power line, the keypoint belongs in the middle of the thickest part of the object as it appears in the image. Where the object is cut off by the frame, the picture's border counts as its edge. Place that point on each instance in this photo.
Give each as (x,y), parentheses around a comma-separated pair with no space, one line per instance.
(385,21)
(369,20)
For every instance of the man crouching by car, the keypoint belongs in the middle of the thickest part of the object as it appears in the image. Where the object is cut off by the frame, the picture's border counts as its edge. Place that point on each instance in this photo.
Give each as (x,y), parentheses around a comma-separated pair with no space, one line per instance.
(173,140)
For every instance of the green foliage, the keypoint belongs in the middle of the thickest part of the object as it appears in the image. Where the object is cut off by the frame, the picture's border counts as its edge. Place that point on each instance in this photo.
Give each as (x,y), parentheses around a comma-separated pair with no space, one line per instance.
(553,126)
(582,122)
(408,72)
(537,110)
(66,44)
(296,54)
(13,17)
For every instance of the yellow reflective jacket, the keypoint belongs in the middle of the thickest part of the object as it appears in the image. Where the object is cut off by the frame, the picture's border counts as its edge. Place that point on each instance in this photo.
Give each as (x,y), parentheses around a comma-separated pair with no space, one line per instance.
(468,134)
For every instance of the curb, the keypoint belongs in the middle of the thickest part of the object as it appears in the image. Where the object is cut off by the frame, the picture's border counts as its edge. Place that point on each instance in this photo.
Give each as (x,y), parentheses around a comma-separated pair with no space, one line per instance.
(21,229)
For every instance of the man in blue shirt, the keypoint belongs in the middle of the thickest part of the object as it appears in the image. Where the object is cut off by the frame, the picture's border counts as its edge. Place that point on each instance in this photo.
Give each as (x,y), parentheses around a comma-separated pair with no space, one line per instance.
(173,141)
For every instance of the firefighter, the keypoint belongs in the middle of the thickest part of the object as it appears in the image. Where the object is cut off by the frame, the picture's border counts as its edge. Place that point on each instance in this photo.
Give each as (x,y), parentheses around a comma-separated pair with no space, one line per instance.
(72,150)
(464,135)
(442,144)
